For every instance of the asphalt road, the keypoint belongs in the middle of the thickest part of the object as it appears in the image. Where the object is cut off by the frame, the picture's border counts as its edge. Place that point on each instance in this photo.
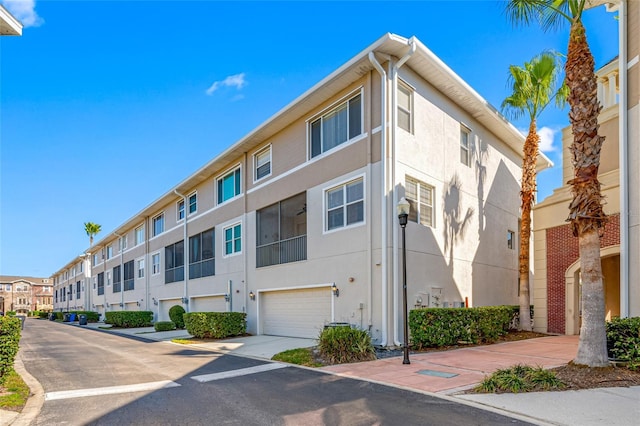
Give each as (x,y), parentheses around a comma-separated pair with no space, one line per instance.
(93,377)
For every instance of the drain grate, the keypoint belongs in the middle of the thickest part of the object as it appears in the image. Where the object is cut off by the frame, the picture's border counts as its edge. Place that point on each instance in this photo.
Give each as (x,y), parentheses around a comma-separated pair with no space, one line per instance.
(437,373)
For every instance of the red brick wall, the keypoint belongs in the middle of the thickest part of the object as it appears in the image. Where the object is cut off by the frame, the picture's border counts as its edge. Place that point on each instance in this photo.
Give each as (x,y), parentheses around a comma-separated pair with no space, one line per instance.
(562,251)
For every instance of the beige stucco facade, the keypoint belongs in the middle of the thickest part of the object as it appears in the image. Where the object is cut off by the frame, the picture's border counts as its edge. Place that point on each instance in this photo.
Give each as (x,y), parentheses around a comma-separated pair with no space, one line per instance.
(342,261)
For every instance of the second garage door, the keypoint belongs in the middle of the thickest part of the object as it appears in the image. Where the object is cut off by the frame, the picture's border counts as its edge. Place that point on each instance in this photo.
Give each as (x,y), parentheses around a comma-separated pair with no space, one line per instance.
(209,304)
(295,313)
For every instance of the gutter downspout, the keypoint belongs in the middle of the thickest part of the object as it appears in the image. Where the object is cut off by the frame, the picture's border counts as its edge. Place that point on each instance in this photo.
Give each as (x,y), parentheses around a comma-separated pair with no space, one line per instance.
(147,268)
(369,190)
(121,271)
(185,260)
(383,217)
(394,125)
(623,153)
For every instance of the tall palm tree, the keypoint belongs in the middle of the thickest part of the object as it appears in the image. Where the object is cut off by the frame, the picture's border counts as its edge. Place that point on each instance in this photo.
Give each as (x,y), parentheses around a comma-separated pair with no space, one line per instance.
(91,229)
(534,87)
(586,214)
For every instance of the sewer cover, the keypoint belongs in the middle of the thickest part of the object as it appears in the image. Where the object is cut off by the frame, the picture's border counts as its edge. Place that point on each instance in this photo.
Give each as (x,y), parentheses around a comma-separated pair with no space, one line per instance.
(437,373)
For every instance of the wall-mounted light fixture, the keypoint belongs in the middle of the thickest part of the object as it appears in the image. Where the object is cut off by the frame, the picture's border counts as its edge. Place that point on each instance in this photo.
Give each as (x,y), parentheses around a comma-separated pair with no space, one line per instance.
(155,301)
(138,303)
(335,290)
(121,304)
(252,295)
(185,300)
(227,298)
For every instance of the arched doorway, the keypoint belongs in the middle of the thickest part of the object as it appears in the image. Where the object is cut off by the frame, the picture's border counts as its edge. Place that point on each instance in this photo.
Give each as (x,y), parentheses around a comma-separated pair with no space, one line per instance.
(610,257)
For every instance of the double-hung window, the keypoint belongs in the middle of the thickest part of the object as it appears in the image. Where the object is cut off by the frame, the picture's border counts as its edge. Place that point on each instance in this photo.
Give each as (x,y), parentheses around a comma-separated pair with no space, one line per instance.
(465,136)
(141,268)
(155,264)
(229,186)
(262,163)
(345,205)
(337,126)
(202,254)
(158,225)
(109,252)
(180,209)
(140,235)
(405,104)
(193,203)
(420,198)
(233,239)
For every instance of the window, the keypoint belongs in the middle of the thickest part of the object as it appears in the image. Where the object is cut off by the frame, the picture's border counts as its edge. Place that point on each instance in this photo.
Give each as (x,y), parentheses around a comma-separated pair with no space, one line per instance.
(180,209)
(100,283)
(345,205)
(511,240)
(281,232)
(155,264)
(405,103)
(123,243)
(78,290)
(229,186)
(174,262)
(158,225)
(233,239)
(262,163)
(420,197)
(139,235)
(129,282)
(141,268)
(193,203)
(202,254)
(464,146)
(108,278)
(109,252)
(81,266)
(117,279)
(337,126)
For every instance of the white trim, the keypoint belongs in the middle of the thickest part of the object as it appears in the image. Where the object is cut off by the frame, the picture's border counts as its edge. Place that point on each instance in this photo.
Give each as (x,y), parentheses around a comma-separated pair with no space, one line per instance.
(230,170)
(404,85)
(165,299)
(136,260)
(633,61)
(153,227)
(267,147)
(343,183)
(184,210)
(224,241)
(200,296)
(376,130)
(135,234)
(160,264)
(188,205)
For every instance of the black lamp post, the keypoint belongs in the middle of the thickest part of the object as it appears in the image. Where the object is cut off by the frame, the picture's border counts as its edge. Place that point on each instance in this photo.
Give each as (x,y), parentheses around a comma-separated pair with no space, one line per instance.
(403,214)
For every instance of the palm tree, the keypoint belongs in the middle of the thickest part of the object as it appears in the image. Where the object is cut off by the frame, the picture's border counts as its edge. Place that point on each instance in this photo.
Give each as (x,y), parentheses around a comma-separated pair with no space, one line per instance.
(91,229)
(586,214)
(534,88)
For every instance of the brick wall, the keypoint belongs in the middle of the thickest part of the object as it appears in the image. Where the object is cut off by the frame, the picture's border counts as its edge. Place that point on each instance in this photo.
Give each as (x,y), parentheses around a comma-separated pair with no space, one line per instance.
(562,251)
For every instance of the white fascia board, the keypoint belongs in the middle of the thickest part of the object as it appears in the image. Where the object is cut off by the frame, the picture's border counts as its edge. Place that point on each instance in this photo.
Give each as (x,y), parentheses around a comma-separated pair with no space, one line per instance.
(8,24)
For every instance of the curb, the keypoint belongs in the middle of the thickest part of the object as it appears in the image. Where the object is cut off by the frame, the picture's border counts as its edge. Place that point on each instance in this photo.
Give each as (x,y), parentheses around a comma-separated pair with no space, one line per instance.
(36,395)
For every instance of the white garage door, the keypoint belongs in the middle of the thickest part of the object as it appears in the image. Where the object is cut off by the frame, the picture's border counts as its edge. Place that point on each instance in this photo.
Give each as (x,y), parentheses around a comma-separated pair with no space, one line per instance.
(208,304)
(295,313)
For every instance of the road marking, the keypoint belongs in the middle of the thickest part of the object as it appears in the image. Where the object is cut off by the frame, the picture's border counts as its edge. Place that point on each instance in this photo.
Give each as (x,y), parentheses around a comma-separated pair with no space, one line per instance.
(241,372)
(109,390)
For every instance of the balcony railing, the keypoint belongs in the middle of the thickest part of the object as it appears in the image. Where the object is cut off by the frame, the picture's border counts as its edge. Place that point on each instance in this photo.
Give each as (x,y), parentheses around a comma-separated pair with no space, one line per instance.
(284,251)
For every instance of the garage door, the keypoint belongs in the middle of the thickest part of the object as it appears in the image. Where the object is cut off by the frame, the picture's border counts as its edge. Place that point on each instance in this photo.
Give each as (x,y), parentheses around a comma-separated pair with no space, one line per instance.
(295,313)
(208,304)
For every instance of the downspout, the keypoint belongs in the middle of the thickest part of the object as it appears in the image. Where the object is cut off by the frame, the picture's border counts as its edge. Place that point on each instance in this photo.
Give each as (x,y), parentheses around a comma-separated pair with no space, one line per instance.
(369,218)
(383,217)
(245,307)
(121,271)
(147,267)
(394,124)
(623,153)
(185,255)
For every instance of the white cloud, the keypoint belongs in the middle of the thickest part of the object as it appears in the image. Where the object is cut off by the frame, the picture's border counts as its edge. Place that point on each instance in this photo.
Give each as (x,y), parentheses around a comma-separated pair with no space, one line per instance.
(24,11)
(547,134)
(236,81)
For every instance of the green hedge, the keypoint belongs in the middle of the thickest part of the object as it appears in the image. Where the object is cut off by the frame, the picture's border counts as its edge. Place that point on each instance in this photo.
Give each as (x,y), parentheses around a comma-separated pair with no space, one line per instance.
(215,325)
(91,315)
(623,340)
(435,327)
(345,344)
(175,314)
(164,326)
(9,343)
(129,319)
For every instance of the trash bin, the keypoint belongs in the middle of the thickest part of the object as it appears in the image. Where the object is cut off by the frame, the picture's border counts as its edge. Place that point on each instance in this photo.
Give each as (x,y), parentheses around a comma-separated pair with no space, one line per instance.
(82,318)
(65,318)
(72,317)
(52,316)
(22,319)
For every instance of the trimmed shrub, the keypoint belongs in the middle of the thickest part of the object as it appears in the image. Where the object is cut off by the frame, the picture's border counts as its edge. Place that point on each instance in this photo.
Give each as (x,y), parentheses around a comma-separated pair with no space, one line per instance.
(91,315)
(175,313)
(345,344)
(215,325)
(129,319)
(164,326)
(9,343)
(42,314)
(623,340)
(436,327)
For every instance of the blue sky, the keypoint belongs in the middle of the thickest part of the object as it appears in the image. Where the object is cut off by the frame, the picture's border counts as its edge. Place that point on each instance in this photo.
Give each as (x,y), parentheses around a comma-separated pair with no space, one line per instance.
(105,106)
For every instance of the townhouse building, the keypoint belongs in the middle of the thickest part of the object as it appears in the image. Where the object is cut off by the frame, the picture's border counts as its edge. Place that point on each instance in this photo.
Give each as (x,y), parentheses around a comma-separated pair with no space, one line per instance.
(296,224)
(556,295)
(25,294)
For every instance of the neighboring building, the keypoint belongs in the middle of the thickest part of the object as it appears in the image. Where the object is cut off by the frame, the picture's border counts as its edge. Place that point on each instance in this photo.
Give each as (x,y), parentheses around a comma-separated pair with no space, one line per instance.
(71,285)
(8,24)
(557,269)
(25,294)
(295,224)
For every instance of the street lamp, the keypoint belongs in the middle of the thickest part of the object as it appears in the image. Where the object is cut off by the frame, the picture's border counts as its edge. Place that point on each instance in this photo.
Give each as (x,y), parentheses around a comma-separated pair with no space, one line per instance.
(403,213)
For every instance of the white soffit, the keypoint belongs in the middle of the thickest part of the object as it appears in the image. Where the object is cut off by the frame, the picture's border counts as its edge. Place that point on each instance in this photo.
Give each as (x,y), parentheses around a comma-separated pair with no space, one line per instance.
(8,24)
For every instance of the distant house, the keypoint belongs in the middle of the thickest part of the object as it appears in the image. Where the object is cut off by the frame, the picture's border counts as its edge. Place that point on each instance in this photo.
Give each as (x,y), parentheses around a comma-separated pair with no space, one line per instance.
(25,294)
(296,224)
(557,269)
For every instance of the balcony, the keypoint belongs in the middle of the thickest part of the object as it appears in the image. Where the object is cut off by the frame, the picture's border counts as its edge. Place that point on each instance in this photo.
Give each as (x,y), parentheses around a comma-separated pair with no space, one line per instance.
(284,251)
